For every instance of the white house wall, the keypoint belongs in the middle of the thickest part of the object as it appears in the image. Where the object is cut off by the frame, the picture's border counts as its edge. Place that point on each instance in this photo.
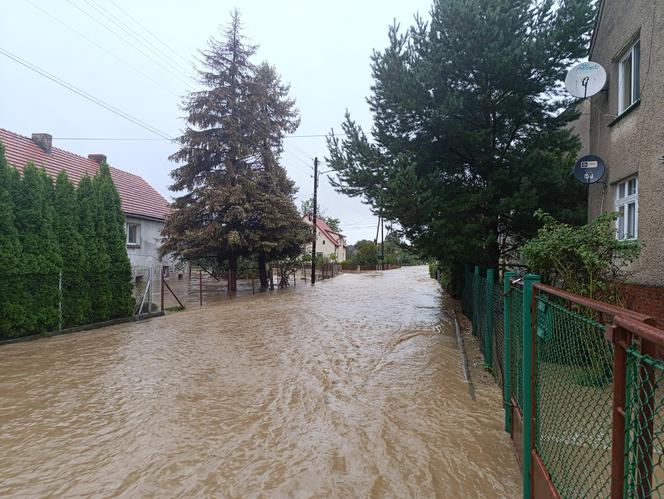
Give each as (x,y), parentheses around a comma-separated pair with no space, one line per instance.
(146,254)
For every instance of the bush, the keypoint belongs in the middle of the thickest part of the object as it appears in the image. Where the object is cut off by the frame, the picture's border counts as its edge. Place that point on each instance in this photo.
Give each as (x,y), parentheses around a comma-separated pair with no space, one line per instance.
(586,260)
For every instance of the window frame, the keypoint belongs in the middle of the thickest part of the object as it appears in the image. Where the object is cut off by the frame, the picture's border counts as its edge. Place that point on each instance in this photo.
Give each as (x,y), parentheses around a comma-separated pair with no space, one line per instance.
(137,243)
(634,51)
(624,202)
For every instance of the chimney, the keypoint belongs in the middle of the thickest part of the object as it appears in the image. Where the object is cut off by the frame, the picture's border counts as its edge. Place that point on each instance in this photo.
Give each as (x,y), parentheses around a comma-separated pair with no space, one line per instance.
(97,158)
(43,140)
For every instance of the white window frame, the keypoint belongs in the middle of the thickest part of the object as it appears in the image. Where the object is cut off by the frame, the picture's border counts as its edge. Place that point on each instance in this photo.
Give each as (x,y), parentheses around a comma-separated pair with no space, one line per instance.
(137,243)
(624,202)
(635,52)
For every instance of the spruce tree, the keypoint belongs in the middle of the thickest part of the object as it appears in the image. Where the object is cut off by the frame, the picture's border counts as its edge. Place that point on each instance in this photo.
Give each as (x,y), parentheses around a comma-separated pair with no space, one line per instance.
(468,138)
(111,229)
(76,302)
(11,307)
(97,261)
(209,220)
(40,259)
(276,226)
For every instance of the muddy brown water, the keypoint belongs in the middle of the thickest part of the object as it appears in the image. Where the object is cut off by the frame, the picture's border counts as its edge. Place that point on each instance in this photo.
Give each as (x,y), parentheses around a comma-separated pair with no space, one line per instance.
(351,389)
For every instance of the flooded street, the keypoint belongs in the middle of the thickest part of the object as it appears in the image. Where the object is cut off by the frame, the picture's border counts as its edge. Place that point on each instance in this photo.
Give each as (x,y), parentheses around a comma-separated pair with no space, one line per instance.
(351,389)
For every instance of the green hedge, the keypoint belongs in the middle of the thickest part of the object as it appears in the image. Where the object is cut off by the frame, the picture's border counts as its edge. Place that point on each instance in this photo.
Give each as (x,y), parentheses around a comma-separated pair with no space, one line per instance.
(49,229)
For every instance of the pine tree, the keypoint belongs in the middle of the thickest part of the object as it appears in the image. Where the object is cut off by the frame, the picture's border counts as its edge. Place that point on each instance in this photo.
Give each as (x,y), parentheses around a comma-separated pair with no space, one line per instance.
(111,229)
(75,299)
(97,261)
(468,139)
(11,307)
(40,258)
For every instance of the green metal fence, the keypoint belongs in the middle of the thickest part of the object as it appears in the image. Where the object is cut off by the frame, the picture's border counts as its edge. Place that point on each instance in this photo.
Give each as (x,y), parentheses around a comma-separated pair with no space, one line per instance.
(644,426)
(573,398)
(584,378)
(498,336)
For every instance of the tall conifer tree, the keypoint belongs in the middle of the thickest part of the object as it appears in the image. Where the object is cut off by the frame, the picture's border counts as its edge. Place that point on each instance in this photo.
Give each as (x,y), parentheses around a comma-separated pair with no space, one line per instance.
(276,226)
(11,311)
(40,258)
(468,137)
(97,261)
(111,229)
(209,219)
(237,199)
(75,304)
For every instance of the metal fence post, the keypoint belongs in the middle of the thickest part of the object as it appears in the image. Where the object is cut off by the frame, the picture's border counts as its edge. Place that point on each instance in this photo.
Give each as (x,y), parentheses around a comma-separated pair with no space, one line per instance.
(488,323)
(619,338)
(507,353)
(60,302)
(476,300)
(200,288)
(526,382)
(162,286)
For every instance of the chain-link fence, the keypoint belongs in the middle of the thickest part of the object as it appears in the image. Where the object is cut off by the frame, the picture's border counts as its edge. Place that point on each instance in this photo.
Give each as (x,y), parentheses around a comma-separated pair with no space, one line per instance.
(36,303)
(573,397)
(583,384)
(516,336)
(644,426)
(498,336)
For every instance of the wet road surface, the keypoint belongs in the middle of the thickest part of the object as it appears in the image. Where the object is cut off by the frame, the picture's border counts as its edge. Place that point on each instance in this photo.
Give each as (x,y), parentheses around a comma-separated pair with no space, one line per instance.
(351,389)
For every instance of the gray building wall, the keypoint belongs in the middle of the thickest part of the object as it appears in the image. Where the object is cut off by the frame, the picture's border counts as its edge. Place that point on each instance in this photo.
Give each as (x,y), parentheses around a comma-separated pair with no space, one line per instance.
(146,254)
(632,143)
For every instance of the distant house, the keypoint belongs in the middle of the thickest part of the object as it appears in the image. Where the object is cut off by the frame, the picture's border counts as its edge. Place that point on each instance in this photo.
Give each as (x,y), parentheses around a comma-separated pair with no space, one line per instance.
(328,242)
(144,208)
(623,125)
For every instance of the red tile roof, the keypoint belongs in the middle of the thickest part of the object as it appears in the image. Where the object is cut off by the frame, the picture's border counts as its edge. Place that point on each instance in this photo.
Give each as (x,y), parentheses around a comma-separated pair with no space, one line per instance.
(334,237)
(138,198)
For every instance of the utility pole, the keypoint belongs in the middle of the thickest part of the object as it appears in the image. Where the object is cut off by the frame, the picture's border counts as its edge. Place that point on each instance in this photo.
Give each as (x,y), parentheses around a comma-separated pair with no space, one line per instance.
(313,244)
(382,245)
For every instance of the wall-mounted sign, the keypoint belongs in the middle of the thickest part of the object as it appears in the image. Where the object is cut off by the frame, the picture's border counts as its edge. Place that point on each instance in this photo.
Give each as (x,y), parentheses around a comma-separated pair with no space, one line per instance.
(589,169)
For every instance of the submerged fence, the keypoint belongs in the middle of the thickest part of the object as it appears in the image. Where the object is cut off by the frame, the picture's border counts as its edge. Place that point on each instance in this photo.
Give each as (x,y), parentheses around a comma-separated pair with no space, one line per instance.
(37,303)
(583,386)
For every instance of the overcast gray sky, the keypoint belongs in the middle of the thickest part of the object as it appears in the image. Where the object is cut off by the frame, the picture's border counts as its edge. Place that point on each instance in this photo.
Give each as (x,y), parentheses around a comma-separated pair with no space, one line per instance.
(321,48)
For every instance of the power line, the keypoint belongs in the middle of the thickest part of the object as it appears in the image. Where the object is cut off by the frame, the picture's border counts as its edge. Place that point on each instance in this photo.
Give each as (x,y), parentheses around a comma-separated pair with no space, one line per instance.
(137,36)
(84,94)
(168,70)
(150,138)
(150,32)
(118,58)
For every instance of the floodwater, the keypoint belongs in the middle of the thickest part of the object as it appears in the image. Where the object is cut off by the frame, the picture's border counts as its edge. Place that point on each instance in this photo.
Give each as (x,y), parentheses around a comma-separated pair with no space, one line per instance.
(351,389)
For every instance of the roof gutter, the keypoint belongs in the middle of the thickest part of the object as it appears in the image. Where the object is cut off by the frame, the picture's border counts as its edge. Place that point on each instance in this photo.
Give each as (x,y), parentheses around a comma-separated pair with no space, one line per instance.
(145,217)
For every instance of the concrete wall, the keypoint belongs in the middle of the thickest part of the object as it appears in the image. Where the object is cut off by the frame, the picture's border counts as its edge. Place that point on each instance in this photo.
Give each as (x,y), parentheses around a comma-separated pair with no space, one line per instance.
(146,254)
(632,143)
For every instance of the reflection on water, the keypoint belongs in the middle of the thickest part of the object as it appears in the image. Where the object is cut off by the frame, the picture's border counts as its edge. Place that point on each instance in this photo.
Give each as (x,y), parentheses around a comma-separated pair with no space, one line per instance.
(350,389)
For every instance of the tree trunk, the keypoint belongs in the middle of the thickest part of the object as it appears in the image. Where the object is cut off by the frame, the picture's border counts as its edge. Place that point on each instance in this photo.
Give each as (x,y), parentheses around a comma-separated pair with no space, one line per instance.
(232,274)
(262,271)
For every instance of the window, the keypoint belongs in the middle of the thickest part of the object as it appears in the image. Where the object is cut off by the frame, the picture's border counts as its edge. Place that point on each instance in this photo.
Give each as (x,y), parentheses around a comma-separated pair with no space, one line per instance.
(133,234)
(628,77)
(323,241)
(627,206)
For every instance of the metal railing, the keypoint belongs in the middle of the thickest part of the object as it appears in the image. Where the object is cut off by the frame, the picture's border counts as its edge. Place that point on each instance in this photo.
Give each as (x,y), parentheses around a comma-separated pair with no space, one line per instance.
(583,386)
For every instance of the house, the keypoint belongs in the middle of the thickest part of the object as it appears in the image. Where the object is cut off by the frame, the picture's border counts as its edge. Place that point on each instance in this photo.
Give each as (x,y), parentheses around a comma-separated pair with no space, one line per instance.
(144,208)
(328,242)
(626,129)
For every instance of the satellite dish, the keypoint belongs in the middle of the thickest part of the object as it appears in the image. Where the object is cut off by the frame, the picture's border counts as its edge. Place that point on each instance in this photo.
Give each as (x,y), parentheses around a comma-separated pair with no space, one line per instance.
(585,79)
(589,169)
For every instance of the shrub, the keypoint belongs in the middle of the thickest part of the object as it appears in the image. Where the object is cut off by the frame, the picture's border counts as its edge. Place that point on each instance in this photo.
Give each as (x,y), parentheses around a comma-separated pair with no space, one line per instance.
(586,260)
